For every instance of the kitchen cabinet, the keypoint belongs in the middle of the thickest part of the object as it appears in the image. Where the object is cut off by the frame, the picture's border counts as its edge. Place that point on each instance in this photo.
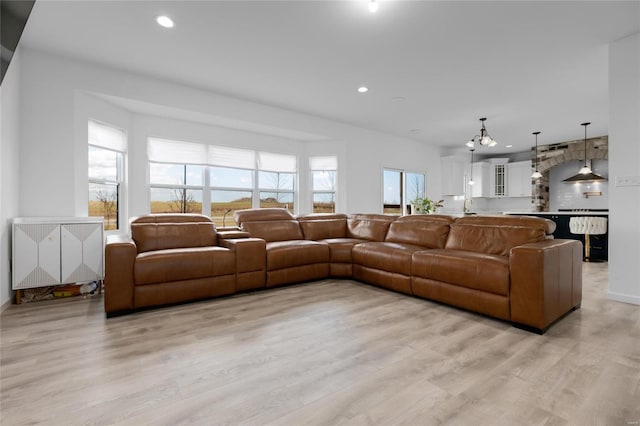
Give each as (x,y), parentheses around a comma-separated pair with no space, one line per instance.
(498,180)
(452,175)
(481,180)
(519,179)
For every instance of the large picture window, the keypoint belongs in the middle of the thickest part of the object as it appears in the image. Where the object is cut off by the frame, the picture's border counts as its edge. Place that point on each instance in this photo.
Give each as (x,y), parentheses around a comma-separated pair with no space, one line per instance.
(106,150)
(323,183)
(217,181)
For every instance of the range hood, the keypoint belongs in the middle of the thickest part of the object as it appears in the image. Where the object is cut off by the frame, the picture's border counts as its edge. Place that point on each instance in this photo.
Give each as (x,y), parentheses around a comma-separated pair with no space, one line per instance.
(585,177)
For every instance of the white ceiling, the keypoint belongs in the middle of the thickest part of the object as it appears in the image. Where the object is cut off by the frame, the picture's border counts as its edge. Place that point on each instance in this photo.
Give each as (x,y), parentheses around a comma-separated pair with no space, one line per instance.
(525,65)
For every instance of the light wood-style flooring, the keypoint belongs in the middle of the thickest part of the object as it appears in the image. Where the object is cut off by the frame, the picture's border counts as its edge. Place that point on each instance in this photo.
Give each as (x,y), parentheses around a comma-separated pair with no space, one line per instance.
(325,353)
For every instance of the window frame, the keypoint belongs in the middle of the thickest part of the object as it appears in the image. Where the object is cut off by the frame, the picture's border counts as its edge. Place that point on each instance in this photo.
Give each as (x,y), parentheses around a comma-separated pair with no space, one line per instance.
(333,192)
(120,180)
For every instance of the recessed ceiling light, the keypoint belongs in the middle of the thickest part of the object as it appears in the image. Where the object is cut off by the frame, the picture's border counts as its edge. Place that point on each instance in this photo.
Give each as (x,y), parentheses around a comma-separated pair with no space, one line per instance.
(363,89)
(398,99)
(508,146)
(373,6)
(164,21)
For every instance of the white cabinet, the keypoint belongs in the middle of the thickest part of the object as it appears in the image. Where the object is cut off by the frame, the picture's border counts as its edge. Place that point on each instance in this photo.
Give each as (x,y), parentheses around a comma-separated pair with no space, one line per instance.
(519,179)
(50,251)
(452,175)
(481,179)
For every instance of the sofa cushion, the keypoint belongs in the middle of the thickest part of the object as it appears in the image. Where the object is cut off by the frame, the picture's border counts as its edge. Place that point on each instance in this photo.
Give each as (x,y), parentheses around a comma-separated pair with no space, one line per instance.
(546,225)
(478,271)
(276,230)
(386,256)
(323,227)
(428,231)
(287,254)
(263,214)
(371,227)
(181,264)
(160,236)
(491,239)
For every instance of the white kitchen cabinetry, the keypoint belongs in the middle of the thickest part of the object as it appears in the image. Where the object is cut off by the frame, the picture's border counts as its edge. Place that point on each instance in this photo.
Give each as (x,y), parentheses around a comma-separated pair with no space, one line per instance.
(51,251)
(519,179)
(481,179)
(452,175)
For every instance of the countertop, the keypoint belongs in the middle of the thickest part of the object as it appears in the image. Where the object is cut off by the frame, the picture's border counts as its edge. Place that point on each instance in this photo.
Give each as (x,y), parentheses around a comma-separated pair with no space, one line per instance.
(560,213)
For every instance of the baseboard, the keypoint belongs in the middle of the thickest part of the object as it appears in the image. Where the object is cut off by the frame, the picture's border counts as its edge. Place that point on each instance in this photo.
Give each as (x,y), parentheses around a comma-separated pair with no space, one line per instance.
(625,298)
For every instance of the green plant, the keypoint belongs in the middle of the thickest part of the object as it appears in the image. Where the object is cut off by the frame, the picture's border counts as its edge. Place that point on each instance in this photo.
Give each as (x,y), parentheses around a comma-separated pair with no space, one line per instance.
(424,205)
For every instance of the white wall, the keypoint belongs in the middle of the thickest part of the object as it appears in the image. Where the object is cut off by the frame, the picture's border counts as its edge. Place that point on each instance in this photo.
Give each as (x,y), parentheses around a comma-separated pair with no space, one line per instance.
(9,167)
(624,160)
(54,135)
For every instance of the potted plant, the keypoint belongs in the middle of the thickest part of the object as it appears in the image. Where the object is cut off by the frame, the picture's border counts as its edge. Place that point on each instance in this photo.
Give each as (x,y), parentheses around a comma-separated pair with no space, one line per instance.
(424,205)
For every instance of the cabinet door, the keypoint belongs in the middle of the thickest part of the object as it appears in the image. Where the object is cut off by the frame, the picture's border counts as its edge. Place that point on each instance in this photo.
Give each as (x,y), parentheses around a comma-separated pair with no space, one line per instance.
(36,255)
(519,179)
(498,184)
(452,176)
(480,187)
(81,252)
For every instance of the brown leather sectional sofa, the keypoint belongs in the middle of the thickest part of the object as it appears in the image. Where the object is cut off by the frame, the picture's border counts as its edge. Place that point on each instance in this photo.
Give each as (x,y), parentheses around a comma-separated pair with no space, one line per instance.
(505,267)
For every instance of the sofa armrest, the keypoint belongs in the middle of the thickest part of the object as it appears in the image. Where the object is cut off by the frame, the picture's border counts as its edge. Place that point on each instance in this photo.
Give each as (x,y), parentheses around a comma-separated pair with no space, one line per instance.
(251,261)
(119,260)
(546,282)
(233,234)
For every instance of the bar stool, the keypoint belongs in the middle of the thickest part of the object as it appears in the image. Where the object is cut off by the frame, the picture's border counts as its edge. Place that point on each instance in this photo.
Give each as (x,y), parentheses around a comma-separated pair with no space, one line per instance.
(588,225)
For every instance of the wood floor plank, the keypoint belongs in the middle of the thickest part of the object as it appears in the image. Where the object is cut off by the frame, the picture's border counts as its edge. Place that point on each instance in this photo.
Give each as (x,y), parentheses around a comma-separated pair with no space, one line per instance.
(332,352)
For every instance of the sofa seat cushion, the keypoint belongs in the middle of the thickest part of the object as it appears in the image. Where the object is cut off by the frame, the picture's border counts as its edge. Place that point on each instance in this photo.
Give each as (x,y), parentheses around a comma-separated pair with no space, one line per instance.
(287,254)
(182,264)
(340,248)
(478,271)
(390,257)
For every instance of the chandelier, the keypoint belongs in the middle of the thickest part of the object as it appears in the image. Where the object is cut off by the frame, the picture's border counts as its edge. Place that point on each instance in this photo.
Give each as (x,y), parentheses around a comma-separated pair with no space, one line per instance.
(483,139)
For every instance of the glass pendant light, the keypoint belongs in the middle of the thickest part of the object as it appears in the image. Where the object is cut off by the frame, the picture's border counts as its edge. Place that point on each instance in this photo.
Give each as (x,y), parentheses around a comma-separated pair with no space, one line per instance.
(536,174)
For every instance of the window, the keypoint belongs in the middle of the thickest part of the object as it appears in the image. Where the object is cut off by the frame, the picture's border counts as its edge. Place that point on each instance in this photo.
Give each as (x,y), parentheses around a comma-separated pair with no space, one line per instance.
(277,180)
(323,183)
(399,188)
(176,188)
(392,198)
(415,188)
(106,149)
(216,181)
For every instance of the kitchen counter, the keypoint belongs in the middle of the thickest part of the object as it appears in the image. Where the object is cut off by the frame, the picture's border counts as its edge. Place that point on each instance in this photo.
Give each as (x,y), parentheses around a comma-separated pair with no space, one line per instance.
(583,213)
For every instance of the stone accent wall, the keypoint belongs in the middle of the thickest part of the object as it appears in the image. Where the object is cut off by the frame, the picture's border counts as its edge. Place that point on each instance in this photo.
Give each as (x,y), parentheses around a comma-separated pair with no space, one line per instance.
(551,155)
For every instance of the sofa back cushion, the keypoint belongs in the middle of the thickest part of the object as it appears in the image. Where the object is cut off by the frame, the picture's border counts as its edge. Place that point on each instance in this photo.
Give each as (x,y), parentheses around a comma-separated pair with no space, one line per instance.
(270,224)
(494,235)
(166,231)
(258,215)
(323,226)
(428,231)
(274,230)
(372,227)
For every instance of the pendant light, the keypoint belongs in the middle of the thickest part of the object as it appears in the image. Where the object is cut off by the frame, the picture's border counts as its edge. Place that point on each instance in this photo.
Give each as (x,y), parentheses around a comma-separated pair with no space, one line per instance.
(536,174)
(483,139)
(585,173)
(585,169)
(471,182)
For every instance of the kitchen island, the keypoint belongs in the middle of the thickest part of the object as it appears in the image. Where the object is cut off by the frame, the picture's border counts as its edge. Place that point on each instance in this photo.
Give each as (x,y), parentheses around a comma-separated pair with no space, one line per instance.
(599,243)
